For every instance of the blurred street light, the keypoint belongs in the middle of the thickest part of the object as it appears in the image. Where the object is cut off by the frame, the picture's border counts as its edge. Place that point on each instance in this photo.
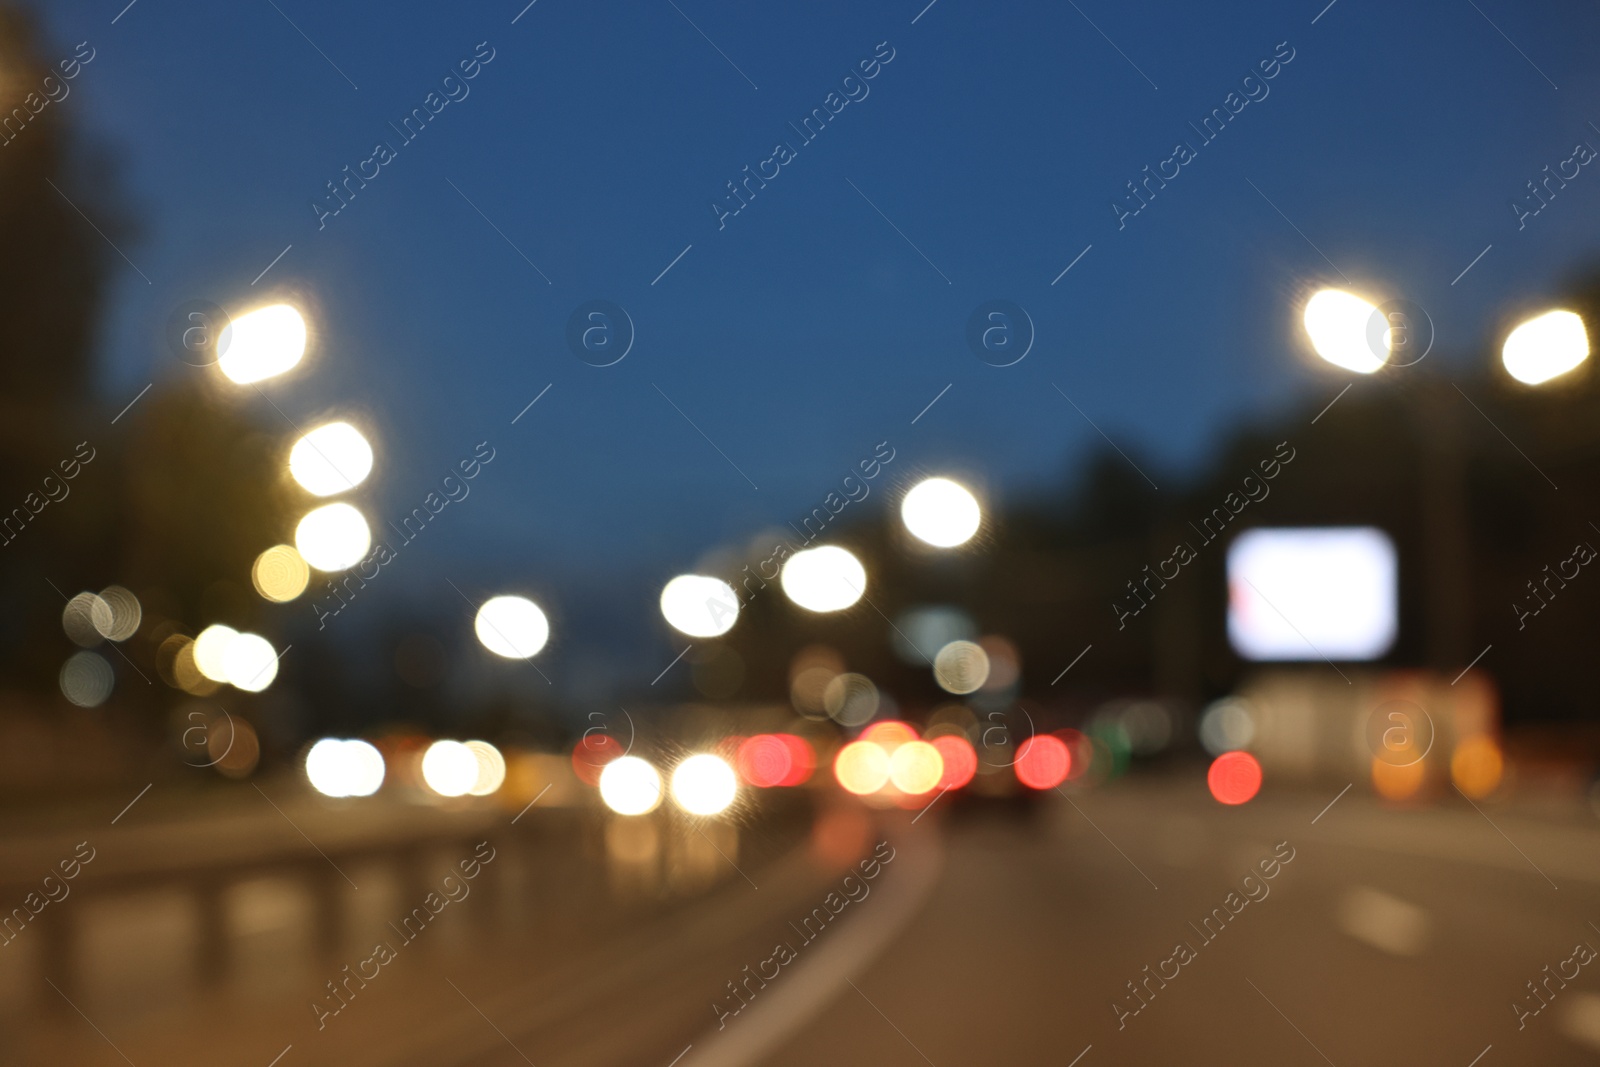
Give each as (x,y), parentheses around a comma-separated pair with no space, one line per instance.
(333,537)
(1545,347)
(1336,322)
(824,579)
(698,606)
(450,768)
(262,344)
(941,513)
(249,662)
(280,574)
(630,786)
(704,785)
(211,650)
(331,459)
(512,626)
(344,768)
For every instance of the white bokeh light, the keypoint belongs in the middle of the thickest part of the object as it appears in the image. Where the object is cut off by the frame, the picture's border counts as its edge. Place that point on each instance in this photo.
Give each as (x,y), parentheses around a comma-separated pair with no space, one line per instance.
(630,786)
(491,768)
(450,768)
(704,785)
(331,459)
(941,513)
(699,606)
(249,662)
(824,579)
(1545,347)
(512,626)
(333,537)
(211,650)
(1336,322)
(344,768)
(262,344)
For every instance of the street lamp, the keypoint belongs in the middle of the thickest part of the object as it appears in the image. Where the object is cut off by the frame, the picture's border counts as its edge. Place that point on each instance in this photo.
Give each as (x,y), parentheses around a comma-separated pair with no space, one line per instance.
(1545,347)
(1337,323)
(941,513)
(262,344)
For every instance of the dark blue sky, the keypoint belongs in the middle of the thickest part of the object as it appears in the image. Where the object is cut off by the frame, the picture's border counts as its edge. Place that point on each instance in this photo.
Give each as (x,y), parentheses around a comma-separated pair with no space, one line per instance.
(808,329)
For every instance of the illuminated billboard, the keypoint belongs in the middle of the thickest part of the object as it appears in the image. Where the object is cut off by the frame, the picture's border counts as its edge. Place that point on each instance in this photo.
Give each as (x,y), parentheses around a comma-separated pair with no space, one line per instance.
(1313,593)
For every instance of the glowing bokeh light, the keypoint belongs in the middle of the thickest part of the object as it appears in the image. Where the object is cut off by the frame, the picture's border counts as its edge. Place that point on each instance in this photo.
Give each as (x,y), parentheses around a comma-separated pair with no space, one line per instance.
(280,574)
(1398,781)
(333,537)
(630,786)
(450,768)
(512,627)
(331,459)
(249,662)
(1545,347)
(824,579)
(802,759)
(1234,777)
(1043,762)
(1336,322)
(916,767)
(699,606)
(261,344)
(850,699)
(941,513)
(86,679)
(889,734)
(122,614)
(1226,725)
(960,760)
(861,767)
(211,650)
(704,785)
(764,761)
(961,667)
(344,768)
(592,754)
(1476,767)
(83,619)
(491,768)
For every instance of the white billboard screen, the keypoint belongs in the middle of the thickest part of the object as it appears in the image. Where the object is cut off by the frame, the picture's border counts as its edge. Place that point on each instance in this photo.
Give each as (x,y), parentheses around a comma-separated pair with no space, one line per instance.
(1315,593)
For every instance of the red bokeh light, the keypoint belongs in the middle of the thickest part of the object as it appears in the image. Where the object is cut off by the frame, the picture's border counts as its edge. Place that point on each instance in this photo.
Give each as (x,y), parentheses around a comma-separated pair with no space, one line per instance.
(960,761)
(764,761)
(591,754)
(1043,762)
(802,759)
(1081,748)
(1234,777)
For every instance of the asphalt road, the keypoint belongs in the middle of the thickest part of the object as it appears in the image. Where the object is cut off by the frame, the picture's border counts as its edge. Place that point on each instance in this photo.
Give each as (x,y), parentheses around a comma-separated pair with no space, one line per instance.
(1383,936)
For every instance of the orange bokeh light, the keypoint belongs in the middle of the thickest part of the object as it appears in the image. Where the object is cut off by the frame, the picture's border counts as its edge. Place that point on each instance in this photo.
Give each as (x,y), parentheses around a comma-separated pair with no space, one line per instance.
(1234,777)
(861,767)
(1043,762)
(1477,766)
(889,734)
(960,760)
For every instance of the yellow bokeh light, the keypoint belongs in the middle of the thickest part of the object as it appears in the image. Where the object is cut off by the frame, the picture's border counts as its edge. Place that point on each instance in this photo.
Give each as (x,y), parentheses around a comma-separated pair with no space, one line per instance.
(333,537)
(916,767)
(491,768)
(1545,347)
(450,768)
(264,343)
(249,662)
(861,768)
(280,574)
(1336,322)
(331,459)
(630,786)
(211,650)
(941,513)
(1477,766)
